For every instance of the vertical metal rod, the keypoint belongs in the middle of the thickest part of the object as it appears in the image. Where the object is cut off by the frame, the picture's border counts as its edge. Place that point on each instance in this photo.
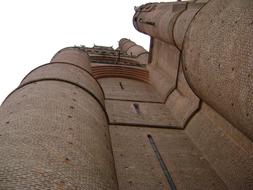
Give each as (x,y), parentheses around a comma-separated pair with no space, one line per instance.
(162,164)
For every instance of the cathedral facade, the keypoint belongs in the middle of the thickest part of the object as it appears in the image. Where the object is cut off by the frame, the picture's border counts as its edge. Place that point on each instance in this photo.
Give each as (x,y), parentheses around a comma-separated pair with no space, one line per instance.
(179,116)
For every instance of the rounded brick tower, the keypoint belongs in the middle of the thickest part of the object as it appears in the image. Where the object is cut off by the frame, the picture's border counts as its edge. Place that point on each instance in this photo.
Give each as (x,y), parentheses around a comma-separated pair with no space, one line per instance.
(55,129)
(177,117)
(133,49)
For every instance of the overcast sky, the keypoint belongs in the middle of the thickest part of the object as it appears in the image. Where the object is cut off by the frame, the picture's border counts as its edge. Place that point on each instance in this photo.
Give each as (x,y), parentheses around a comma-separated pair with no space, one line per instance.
(32,31)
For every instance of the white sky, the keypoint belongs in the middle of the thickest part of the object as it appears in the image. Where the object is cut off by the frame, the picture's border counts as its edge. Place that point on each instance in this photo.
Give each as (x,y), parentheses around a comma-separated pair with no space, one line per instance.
(32,31)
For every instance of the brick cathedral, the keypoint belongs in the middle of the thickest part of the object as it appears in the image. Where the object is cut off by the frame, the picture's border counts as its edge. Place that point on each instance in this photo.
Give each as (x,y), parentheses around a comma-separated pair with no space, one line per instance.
(179,116)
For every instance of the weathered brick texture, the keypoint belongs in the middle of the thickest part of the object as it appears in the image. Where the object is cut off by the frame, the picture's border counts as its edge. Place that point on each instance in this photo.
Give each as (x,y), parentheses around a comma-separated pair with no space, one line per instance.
(178,116)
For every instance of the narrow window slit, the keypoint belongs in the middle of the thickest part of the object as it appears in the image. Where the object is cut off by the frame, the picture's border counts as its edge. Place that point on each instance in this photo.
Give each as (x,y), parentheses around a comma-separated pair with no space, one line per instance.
(121,86)
(137,108)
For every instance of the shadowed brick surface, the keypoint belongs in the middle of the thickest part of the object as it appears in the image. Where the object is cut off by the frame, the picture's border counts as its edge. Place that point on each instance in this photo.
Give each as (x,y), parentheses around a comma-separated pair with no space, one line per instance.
(164,67)
(150,114)
(138,167)
(180,113)
(54,135)
(128,89)
(228,151)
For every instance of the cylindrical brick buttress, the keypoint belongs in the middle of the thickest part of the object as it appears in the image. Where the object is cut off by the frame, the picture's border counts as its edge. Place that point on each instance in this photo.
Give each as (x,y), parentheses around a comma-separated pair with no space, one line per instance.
(134,49)
(73,55)
(54,129)
(218,59)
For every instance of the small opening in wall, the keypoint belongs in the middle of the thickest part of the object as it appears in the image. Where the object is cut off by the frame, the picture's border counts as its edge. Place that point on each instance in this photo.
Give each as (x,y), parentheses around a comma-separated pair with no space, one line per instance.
(137,108)
(121,86)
